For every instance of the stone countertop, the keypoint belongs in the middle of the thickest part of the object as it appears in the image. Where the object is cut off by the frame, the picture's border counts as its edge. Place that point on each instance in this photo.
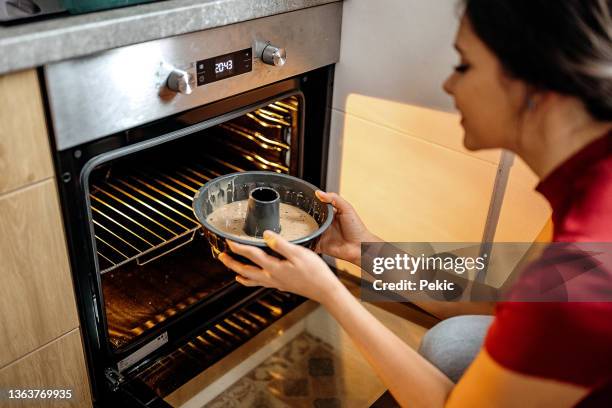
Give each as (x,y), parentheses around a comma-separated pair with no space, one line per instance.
(38,43)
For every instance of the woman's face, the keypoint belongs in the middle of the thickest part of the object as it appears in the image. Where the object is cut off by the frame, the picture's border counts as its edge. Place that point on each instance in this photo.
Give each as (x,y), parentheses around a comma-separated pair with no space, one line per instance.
(490,102)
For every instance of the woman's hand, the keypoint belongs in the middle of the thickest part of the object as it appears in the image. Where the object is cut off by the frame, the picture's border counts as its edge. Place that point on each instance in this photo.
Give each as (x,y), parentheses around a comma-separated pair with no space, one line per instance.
(302,272)
(344,237)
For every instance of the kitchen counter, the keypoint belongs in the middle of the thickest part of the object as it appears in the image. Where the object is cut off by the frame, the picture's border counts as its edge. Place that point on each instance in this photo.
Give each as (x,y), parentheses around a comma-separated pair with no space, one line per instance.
(38,43)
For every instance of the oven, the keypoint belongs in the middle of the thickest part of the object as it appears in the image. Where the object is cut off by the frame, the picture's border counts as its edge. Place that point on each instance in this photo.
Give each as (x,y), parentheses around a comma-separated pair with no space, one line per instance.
(136,132)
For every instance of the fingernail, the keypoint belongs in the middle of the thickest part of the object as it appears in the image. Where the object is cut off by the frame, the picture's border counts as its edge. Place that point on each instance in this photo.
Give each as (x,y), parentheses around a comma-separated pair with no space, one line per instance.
(221,256)
(320,194)
(268,236)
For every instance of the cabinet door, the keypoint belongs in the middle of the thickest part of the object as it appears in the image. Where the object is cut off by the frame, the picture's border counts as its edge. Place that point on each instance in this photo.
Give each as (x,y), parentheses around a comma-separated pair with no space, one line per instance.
(37,301)
(24,147)
(59,365)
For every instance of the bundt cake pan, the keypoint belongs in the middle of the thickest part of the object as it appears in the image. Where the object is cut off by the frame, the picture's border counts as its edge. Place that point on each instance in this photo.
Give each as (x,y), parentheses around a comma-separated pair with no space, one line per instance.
(237,186)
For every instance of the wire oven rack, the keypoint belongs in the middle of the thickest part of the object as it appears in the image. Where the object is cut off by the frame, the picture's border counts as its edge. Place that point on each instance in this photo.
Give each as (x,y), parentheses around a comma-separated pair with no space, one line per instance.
(146,213)
(215,342)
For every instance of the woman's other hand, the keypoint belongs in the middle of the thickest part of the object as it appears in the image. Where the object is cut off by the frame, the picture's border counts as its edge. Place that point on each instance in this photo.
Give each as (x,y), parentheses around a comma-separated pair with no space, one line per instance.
(302,272)
(344,237)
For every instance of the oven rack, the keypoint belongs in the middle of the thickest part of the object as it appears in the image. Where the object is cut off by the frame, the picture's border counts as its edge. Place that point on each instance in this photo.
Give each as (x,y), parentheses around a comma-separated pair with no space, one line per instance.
(215,342)
(137,302)
(143,214)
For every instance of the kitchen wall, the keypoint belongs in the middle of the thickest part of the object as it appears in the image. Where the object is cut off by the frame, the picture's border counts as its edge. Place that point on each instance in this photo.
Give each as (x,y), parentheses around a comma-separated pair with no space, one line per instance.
(397,152)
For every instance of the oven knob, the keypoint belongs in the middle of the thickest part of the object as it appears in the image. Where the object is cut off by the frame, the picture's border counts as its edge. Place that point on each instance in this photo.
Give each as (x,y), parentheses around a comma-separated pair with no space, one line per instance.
(181,81)
(274,56)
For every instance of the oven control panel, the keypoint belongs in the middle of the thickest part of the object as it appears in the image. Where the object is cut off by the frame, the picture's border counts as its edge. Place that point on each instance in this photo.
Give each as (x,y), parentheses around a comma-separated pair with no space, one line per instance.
(104,93)
(224,66)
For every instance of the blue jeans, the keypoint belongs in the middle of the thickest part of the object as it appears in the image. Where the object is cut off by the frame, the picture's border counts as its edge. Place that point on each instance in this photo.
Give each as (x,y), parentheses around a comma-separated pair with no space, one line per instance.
(452,344)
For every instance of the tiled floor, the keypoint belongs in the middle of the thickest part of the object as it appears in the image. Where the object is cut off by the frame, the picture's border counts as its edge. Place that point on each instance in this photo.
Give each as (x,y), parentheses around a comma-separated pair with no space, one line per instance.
(302,374)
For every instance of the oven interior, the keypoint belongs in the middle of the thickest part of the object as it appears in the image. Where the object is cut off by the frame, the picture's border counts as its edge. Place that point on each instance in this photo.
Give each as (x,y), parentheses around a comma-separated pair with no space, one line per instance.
(141,208)
(155,265)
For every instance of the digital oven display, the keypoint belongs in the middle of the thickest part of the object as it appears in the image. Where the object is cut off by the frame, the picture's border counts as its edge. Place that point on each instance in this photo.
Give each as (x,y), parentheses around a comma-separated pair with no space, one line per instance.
(224,66)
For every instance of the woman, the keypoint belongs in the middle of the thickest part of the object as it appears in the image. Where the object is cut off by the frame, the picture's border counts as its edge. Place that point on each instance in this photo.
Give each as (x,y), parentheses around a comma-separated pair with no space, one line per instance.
(535,77)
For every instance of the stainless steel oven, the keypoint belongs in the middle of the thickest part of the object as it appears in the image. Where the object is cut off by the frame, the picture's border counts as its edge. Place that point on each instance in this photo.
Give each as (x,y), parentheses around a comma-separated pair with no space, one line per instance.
(137,131)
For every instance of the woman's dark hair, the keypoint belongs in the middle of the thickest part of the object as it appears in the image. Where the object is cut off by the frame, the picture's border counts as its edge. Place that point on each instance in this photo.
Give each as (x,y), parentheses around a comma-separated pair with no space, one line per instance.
(563,46)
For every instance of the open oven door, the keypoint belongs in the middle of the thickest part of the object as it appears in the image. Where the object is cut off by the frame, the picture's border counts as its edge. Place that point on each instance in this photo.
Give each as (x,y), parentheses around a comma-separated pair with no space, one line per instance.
(178,372)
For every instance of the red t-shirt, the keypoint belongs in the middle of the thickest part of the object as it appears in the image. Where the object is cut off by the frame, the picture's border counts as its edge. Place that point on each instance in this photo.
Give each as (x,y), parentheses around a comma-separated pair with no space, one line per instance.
(567,341)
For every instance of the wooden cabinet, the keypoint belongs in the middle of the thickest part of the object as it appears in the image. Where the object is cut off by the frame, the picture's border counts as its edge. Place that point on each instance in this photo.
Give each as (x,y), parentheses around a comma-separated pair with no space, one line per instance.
(58,365)
(36,292)
(39,327)
(24,147)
